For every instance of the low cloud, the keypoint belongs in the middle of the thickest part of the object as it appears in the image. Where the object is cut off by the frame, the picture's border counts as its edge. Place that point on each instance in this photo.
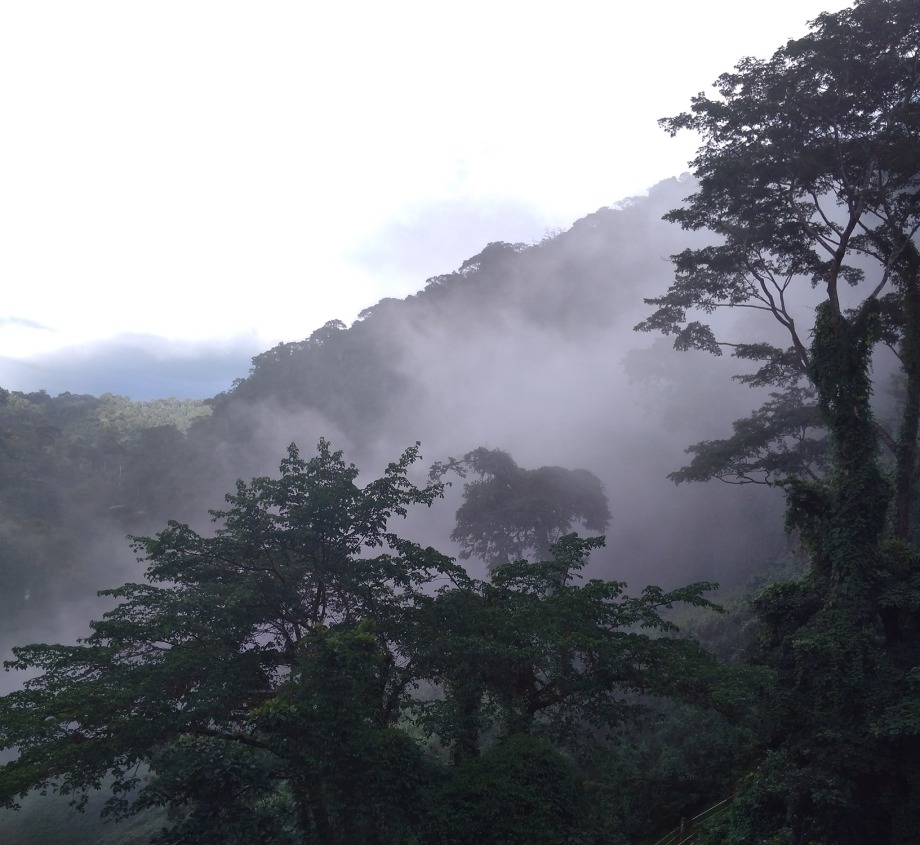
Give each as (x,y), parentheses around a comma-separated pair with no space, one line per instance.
(23,322)
(138,366)
(428,240)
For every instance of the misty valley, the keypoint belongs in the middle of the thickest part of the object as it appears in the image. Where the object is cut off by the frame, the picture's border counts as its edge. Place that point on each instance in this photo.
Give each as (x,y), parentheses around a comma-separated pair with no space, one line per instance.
(609,538)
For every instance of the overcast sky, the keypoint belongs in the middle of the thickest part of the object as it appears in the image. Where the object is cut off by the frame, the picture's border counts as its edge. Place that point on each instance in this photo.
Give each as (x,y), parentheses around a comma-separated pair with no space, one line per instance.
(207,179)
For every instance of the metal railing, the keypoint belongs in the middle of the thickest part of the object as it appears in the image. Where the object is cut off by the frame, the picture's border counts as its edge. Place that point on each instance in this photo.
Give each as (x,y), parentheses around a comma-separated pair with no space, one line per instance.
(688,832)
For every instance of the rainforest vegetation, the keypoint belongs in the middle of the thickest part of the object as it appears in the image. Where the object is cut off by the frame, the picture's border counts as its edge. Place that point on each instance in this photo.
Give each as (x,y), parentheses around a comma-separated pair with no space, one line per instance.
(526,643)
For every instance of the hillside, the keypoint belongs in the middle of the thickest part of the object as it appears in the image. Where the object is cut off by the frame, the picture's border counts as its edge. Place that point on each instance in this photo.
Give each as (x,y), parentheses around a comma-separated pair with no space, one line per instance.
(524,348)
(440,647)
(528,348)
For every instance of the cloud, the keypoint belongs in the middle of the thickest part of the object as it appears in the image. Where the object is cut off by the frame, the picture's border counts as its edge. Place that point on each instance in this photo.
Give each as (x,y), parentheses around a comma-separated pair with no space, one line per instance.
(22,322)
(139,366)
(430,239)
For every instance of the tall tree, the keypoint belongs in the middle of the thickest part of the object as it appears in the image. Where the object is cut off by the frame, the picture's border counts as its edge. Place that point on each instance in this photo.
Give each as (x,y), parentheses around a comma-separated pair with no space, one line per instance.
(809,177)
(268,654)
(510,513)
(534,661)
(264,675)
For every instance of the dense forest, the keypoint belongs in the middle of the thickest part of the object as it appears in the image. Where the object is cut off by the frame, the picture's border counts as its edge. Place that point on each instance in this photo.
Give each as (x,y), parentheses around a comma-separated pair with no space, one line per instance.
(453,572)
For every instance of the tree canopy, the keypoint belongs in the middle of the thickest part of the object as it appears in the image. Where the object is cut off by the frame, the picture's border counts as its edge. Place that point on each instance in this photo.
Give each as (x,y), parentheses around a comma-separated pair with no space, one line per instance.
(262,682)
(228,642)
(809,176)
(510,513)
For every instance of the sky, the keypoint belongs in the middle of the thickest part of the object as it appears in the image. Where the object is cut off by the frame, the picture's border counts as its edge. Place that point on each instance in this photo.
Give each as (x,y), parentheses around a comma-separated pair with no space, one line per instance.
(186,184)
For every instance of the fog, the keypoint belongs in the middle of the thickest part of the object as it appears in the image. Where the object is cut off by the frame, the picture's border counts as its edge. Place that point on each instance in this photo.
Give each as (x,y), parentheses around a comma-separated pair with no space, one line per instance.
(528,348)
(531,349)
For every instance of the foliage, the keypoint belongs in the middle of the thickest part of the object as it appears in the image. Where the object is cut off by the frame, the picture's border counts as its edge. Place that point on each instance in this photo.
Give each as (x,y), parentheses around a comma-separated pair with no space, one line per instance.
(531,650)
(784,438)
(218,653)
(671,765)
(510,513)
(266,675)
(71,468)
(521,790)
(50,820)
(126,416)
(810,174)
(311,372)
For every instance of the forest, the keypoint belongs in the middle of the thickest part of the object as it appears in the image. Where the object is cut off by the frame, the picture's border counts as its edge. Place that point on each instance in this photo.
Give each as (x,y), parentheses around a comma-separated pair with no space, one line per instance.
(609,538)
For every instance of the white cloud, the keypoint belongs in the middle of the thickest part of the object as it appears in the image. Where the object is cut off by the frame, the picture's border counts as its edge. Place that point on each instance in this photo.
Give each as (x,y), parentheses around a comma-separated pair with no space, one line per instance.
(203,170)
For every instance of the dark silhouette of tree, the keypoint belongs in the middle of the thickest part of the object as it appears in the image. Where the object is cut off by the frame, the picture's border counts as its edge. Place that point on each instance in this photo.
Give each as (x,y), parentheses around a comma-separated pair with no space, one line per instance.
(509,513)
(265,674)
(809,175)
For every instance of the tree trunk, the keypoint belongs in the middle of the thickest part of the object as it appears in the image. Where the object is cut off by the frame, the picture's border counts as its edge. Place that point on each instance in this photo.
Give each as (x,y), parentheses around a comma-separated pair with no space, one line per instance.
(905,477)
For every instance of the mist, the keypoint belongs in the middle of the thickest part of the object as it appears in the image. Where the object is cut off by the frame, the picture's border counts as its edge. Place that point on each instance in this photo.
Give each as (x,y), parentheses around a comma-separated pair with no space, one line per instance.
(528,348)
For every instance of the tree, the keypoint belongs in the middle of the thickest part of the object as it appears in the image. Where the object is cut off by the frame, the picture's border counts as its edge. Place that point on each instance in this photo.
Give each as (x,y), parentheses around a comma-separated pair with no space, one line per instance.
(809,176)
(536,669)
(310,373)
(522,790)
(532,650)
(509,513)
(254,669)
(260,683)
